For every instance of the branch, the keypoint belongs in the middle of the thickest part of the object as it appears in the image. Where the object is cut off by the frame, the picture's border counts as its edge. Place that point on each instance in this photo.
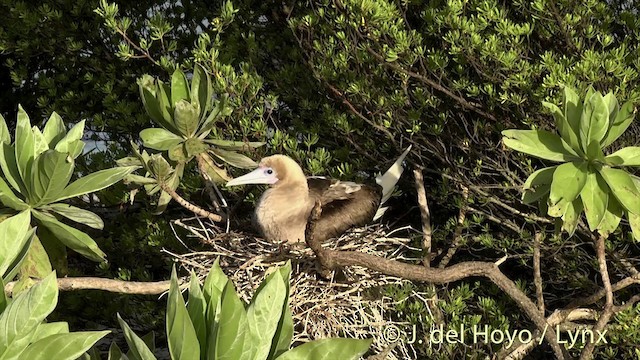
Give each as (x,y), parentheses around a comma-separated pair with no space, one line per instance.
(332,259)
(426,217)
(457,234)
(110,285)
(189,206)
(537,276)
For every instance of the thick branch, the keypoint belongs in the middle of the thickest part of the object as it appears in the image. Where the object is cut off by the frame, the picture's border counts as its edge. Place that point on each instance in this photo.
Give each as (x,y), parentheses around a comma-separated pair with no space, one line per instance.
(110,285)
(537,276)
(425,216)
(189,206)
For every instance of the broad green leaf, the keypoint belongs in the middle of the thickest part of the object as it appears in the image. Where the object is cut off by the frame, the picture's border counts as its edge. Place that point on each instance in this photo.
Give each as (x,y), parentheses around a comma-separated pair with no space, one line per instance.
(152,104)
(25,144)
(55,249)
(179,87)
(219,110)
(51,172)
(160,167)
(47,329)
(234,145)
(539,143)
(178,153)
(10,168)
(63,346)
(4,300)
(201,90)
(150,340)
(328,349)
(540,177)
(214,285)
(159,139)
(195,146)
(166,107)
(138,350)
(215,173)
(572,110)
(612,217)
(284,331)
(559,208)
(233,329)
(54,130)
(595,197)
(129,161)
(182,338)
(39,142)
(78,215)
(74,239)
(634,222)
(186,118)
(8,198)
(115,353)
(14,267)
(568,181)
(235,159)
(594,124)
(623,188)
(629,156)
(622,121)
(75,148)
(564,128)
(67,143)
(572,216)
(95,182)
(23,315)
(140,180)
(197,308)
(531,196)
(36,264)
(264,313)
(4,131)
(612,105)
(13,232)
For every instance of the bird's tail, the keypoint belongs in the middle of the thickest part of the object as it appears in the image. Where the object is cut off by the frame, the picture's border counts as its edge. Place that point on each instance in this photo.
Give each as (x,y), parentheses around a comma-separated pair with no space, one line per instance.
(388,181)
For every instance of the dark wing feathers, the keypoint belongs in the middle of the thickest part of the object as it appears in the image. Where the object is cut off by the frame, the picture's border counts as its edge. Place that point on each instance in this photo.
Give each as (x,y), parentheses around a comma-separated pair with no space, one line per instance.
(344,205)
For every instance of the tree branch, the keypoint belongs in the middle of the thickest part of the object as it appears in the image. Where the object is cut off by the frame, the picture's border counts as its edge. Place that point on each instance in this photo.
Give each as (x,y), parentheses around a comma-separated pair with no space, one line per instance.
(110,285)
(425,216)
(537,276)
(189,206)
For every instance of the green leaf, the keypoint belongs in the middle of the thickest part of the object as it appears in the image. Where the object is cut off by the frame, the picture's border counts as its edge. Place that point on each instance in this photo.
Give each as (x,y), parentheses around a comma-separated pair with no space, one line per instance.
(195,146)
(328,349)
(25,144)
(178,153)
(24,314)
(284,332)
(233,328)
(595,197)
(531,196)
(634,222)
(51,172)
(572,110)
(197,309)
(78,215)
(159,139)
(264,313)
(166,107)
(4,300)
(10,168)
(540,177)
(215,173)
(623,188)
(71,237)
(95,182)
(564,128)
(214,285)
(47,329)
(568,181)
(138,350)
(39,142)
(8,198)
(18,260)
(13,231)
(612,217)
(234,159)
(4,131)
(36,264)
(613,106)
(186,118)
(179,88)
(622,121)
(68,143)
(539,143)
(63,346)
(572,216)
(152,104)
(115,353)
(629,156)
(54,130)
(594,125)
(234,145)
(201,90)
(182,338)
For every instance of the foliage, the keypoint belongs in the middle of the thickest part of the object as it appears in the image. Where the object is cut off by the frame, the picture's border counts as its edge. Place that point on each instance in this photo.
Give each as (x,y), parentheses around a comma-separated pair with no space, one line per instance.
(23,332)
(587,180)
(39,165)
(216,324)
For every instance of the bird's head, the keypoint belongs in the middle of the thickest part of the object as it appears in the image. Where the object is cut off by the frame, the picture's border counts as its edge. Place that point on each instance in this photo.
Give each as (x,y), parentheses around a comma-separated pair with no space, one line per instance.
(276,170)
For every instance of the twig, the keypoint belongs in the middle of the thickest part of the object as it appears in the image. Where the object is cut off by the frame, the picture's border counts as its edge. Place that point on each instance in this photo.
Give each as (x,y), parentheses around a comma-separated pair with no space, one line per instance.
(537,276)
(457,234)
(110,285)
(425,216)
(587,352)
(189,206)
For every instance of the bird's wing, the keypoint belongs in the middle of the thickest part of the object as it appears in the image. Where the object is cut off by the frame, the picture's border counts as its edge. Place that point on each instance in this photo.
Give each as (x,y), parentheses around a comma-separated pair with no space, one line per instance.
(328,190)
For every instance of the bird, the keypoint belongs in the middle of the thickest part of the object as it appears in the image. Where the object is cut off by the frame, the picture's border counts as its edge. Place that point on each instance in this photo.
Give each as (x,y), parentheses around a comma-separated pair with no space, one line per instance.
(282,211)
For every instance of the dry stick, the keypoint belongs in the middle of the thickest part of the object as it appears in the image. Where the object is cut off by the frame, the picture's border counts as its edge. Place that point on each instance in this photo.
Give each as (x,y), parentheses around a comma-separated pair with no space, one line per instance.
(457,234)
(537,276)
(587,352)
(189,206)
(207,182)
(425,216)
(332,259)
(602,292)
(110,285)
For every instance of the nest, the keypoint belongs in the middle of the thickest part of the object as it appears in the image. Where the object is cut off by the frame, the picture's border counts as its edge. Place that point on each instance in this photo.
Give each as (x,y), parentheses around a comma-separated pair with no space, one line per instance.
(348,303)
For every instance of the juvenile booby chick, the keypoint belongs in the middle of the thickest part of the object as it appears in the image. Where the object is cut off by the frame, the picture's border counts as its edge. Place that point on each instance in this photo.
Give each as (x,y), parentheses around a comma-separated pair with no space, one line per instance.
(283,209)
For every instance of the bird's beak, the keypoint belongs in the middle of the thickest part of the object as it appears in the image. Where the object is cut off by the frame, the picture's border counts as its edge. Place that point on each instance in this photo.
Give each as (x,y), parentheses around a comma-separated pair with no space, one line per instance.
(257,176)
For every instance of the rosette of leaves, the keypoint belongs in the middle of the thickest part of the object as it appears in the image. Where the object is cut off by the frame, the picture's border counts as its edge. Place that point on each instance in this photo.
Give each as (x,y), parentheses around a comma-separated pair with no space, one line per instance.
(36,177)
(588,179)
(216,324)
(23,330)
(187,113)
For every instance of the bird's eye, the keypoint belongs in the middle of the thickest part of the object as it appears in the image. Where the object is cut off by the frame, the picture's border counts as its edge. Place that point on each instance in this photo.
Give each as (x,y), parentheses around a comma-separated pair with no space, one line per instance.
(269,171)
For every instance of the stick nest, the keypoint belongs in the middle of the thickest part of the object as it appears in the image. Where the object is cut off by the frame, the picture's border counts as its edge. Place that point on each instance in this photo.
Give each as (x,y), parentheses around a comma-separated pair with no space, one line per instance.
(349,303)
